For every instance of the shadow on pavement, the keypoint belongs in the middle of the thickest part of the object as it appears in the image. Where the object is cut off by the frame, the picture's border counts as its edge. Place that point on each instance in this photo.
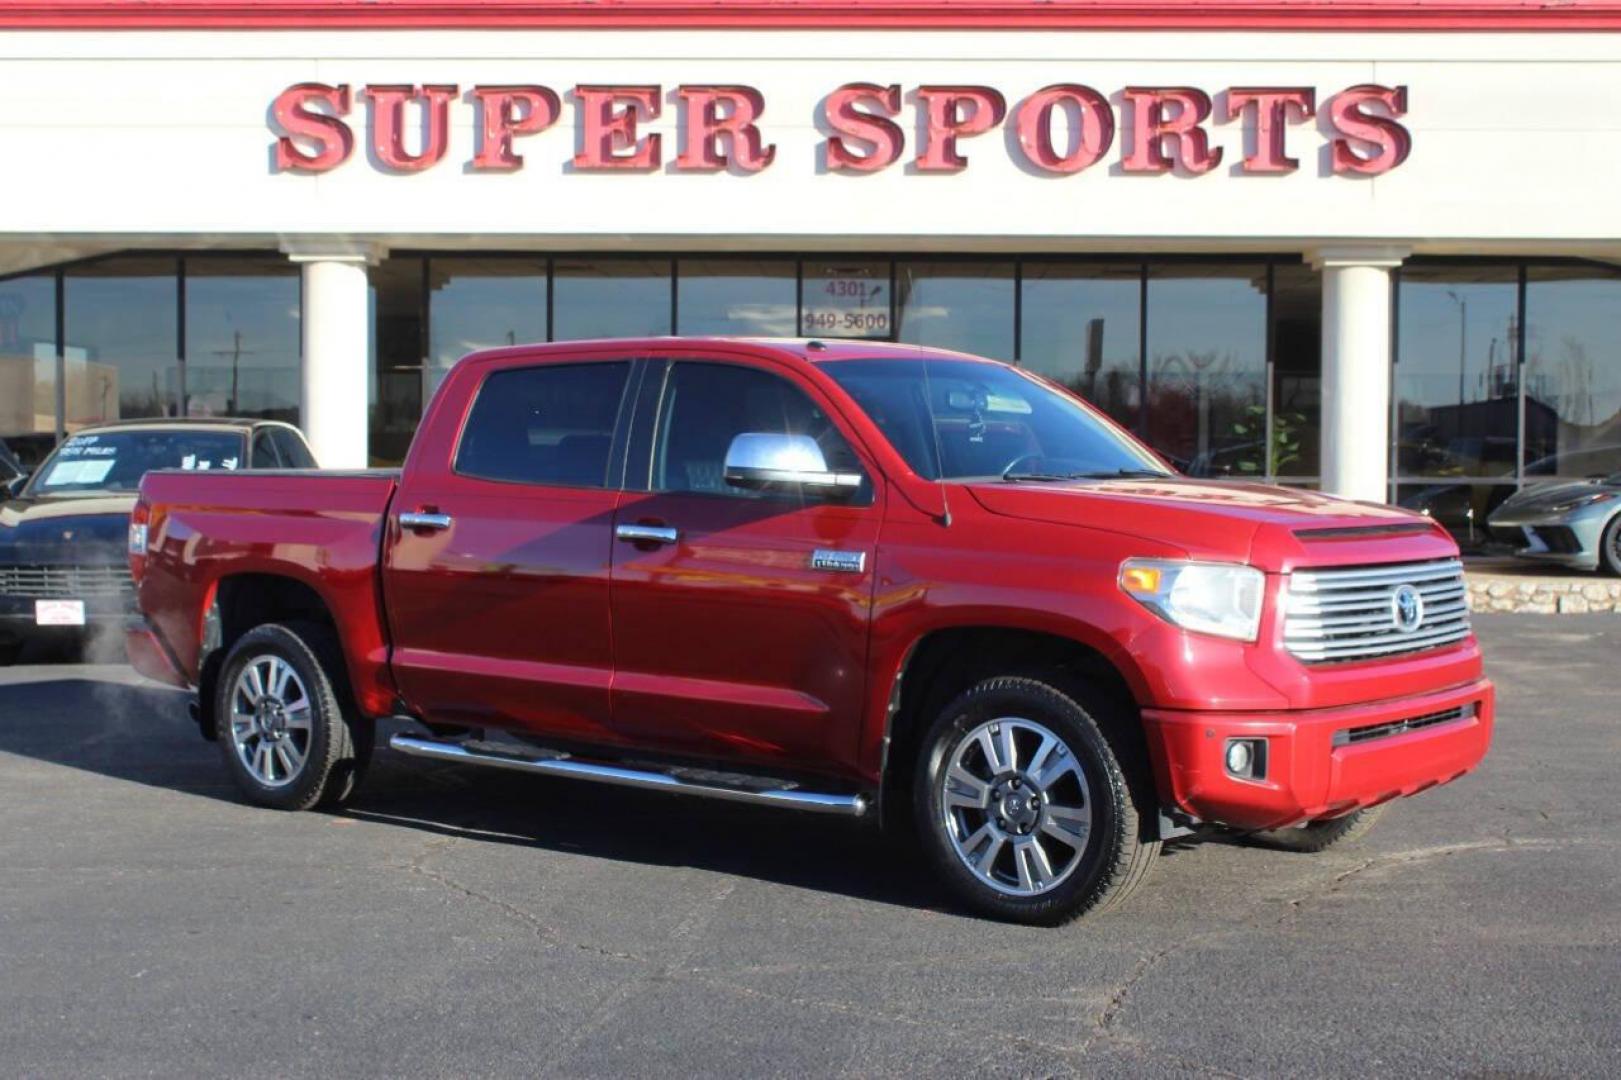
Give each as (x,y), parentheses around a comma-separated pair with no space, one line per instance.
(141,733)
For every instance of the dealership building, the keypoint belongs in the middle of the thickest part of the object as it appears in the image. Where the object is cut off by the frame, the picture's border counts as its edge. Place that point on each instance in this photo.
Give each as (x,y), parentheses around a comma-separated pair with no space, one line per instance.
(1372,246)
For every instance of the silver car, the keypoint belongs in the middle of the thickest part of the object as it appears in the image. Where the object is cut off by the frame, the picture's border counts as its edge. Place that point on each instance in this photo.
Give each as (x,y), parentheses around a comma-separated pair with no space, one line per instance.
(1573,523)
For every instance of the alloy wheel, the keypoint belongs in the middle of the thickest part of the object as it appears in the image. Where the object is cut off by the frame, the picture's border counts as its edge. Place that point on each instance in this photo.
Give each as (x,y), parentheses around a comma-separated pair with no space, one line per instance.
(1016,806)
(271,720)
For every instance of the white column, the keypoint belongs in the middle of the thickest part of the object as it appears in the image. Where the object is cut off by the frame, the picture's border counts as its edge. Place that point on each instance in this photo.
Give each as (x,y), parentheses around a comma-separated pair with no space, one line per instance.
(1356,369)
(337,349)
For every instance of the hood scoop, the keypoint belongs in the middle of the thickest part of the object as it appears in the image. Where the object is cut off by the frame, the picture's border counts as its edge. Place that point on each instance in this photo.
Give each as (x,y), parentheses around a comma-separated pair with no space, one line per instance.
(1364,532)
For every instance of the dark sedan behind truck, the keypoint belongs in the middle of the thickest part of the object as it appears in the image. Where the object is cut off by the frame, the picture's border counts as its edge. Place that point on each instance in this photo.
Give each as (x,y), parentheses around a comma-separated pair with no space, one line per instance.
(64,530)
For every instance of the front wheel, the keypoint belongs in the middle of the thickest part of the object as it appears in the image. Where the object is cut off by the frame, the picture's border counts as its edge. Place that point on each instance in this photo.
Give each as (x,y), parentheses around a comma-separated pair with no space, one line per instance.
(289,735)
(1609,547)
(1025,807)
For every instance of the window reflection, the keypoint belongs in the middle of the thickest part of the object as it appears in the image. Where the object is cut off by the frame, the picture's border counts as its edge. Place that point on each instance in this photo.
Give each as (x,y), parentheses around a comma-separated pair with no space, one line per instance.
(480,304)
(756,297)
(1081,326)
(28,367)
(397,357)
(1572,372)
(846,298)
(603,298)
(1297,366)
(1457,409)
(242,337)
(967,306)
(1207,366)
(123,341)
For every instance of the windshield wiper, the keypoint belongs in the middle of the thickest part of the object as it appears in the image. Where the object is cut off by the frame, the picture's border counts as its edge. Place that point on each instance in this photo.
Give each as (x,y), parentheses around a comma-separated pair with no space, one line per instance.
(1015,477)
(1120,474)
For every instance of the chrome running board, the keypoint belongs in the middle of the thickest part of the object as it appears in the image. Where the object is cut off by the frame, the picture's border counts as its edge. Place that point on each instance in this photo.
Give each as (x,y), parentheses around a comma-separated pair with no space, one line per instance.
(562,765)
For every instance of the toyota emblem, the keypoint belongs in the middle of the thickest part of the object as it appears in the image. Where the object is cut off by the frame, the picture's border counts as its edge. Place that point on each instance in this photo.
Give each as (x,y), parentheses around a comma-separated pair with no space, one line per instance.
(1406,608)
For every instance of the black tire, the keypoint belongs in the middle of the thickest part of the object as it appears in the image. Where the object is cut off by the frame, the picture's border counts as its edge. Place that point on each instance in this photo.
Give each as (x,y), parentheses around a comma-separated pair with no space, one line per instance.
(1609,548)
(337,747)
(10,651)
(1120,845)
(1318,836)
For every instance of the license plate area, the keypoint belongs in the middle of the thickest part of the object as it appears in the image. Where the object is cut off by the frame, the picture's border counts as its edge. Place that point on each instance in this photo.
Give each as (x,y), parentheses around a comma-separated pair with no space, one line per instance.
(58,612)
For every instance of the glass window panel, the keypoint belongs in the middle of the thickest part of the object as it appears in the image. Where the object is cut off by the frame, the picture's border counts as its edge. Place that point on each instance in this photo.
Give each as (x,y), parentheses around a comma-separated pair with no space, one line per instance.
(123,341)
(1461,506)
(27,371)
(1080,325)
(1572,372)
(544,425)
(846,298)
(737,296)
(967,306)
(397,358)
(242,338)
(480,304)
(1297,371)
(1457,407)
(1207,366)
(706,406)
(610,298)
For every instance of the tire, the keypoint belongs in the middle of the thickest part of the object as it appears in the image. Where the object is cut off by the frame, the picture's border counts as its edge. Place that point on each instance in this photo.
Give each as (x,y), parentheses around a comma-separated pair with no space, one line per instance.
(1090,817)
(1609,547)
(308,746)
(1318,836)
(10,651)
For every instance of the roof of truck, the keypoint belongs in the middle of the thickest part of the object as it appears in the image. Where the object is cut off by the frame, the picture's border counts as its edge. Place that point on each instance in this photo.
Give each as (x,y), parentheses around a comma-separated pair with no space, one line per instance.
(804,348)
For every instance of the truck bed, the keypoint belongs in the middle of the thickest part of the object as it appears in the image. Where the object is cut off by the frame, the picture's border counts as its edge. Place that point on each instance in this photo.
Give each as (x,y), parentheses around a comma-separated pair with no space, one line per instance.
(323,529)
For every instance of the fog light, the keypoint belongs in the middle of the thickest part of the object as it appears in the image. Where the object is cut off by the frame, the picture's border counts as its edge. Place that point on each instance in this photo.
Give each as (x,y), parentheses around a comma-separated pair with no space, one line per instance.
(1246,758)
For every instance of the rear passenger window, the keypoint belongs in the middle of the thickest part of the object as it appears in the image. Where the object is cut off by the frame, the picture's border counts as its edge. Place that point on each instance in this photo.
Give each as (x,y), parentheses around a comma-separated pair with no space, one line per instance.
(544,425)
(264,450)
(294,454)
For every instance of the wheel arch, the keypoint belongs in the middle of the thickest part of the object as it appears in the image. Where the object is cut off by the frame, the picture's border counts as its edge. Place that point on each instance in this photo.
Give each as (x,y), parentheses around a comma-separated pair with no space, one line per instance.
(943,662)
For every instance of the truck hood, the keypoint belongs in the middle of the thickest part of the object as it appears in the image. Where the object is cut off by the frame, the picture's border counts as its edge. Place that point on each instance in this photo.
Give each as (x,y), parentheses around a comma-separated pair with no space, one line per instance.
(1273,528)
(58,529)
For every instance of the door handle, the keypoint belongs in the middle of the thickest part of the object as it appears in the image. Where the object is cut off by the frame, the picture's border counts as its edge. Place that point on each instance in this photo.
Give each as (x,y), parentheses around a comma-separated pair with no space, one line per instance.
(647,534)
(435,522)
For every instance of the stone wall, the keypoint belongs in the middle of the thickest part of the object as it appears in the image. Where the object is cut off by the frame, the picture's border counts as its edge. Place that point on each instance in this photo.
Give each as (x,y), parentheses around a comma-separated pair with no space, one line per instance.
(1533,589)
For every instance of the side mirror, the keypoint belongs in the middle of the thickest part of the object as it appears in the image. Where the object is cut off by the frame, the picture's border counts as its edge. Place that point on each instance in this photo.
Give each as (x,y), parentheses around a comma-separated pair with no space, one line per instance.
(760,461)
(14,486)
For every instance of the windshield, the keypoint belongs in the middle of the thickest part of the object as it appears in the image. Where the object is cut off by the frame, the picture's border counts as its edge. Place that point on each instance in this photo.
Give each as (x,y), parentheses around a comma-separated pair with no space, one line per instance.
(965,419)
(116,461)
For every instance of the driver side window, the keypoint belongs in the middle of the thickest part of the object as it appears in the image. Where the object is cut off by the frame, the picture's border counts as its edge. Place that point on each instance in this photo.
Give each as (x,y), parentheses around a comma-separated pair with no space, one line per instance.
(705,406)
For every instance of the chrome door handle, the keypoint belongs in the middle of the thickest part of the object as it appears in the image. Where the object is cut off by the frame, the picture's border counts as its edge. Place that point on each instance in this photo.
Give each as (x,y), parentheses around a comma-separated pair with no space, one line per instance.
(436,522)
(647,534)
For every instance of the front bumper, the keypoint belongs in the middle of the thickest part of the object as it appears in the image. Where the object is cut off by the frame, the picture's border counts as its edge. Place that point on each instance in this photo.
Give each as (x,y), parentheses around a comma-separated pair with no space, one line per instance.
(1560,539)
(1311,774)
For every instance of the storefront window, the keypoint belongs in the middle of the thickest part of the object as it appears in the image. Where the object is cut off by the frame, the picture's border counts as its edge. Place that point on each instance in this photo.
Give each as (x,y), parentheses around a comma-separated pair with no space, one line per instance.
(605,298)
(847,298)
(397,357)
(1572,372)
(1207,366)
(242,337)
(480,304)
(756,297)
(1081,325)
(122,356)
(1297,371)
(967,306)
(27,368)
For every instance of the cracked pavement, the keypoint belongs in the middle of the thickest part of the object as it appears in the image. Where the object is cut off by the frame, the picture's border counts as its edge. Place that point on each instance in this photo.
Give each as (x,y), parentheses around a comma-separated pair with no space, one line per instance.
(460,922)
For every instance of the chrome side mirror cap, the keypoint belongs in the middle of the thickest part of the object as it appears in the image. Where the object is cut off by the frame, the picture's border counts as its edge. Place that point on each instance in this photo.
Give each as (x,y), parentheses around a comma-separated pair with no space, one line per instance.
(760,460)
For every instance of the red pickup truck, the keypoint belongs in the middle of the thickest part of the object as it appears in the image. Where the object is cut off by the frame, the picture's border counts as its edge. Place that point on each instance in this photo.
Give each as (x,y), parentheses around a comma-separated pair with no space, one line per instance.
(851,578)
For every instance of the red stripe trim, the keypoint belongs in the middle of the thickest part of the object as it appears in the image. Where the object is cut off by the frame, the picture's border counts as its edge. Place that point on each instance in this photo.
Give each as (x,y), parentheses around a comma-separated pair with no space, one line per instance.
(1340,15)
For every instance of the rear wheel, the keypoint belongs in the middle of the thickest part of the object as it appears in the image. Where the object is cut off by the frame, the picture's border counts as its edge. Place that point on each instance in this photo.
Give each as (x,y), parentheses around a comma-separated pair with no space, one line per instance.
(1024,806)
(1609,547)
(9,652)
(1317,836)
(290,737)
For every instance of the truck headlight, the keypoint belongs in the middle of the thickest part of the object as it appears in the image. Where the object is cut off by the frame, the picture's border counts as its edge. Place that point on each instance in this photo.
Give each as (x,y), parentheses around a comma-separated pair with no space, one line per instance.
(1211,598)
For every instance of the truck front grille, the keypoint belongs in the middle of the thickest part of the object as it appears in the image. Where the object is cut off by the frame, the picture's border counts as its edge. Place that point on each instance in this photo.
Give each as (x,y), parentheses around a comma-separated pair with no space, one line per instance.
(66,582)
(1351,613)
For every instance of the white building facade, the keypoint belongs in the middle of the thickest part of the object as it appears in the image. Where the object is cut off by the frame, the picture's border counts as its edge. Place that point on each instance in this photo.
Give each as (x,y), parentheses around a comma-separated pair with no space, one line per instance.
(1372,247)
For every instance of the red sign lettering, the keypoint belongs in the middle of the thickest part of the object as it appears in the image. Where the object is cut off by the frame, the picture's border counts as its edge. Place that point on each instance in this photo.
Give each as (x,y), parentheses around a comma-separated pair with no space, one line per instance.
(331,137)
(608,119)
(882,135)
(1270,107)
(1091,120)
(954,112)
(506,112)
(388,124)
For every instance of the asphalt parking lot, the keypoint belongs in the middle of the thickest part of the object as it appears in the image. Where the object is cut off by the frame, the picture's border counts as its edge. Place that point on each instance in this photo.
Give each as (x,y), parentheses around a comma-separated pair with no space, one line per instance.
(462,922)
